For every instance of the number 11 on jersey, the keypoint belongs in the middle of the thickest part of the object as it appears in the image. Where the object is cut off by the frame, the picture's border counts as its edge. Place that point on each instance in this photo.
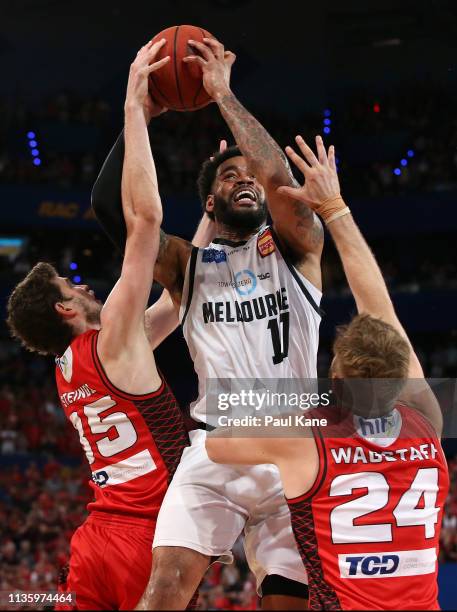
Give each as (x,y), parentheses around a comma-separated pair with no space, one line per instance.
(280,345)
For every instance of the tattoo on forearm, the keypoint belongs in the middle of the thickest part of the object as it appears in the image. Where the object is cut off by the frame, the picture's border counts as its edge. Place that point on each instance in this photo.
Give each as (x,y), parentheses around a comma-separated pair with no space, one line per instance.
(252,138)
(308,223)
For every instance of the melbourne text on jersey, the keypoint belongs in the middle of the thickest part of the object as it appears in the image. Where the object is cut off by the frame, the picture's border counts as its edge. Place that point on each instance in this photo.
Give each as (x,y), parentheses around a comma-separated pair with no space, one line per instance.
(247,310)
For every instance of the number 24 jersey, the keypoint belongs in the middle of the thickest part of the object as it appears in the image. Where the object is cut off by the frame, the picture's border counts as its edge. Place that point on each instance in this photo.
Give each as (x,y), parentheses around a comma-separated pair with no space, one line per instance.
(368,530)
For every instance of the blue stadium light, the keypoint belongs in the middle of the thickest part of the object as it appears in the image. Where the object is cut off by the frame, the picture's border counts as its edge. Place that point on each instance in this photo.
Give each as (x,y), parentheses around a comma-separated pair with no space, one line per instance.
(76,279)
(35,152)
(404,162)
(327,121)
(397,171)
(37,161)
(410,153)
(73,266)
(30,135)
(32,143)
(327,112)
(326,130)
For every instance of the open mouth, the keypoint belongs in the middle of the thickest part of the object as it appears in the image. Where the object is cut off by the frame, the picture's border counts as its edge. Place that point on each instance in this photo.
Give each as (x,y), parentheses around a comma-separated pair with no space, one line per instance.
(245,196)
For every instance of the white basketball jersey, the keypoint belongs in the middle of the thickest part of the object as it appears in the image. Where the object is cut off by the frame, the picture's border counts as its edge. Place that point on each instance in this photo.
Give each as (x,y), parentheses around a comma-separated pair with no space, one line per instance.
(247,312)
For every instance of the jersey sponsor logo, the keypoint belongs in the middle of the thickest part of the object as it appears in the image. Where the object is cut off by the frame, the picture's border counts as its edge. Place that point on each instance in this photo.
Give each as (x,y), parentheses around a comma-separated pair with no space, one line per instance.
(245,282)
(361,455)
(268,305)
(265,244)
(137,465)
(78,394)
(100,478)
(382,431)
(387,564)
(65,364)
(264,276)
(214,255)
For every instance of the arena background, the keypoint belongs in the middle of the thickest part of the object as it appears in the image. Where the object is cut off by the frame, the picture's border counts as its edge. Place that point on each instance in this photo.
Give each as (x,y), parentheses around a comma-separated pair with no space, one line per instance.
(377,79)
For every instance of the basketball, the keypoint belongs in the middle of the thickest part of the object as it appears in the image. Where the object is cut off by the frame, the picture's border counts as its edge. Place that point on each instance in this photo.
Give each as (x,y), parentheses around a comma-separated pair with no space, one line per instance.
(179,86)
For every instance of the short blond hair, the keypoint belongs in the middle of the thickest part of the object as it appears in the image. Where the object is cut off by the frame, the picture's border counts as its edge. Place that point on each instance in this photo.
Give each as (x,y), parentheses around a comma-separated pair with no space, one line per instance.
(371,348)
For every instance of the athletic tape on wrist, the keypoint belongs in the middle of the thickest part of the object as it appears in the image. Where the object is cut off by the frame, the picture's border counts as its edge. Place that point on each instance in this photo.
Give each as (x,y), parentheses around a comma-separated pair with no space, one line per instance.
(337,215)
(331,207)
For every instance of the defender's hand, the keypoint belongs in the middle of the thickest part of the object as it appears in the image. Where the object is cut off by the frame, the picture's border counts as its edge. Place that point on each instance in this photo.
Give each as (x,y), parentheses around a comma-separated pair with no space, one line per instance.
(137,88)
(216,65)
(321,179)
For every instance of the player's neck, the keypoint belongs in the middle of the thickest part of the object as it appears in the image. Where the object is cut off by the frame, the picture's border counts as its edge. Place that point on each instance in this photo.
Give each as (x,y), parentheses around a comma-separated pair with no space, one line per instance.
(83,327)
(234,235)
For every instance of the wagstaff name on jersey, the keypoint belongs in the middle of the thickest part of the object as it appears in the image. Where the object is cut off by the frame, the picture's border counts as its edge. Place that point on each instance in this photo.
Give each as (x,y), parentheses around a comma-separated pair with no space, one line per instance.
(361,455)
(257,308)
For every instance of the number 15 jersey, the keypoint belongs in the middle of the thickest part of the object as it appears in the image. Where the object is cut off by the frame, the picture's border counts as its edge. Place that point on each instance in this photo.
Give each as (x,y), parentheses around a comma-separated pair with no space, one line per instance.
(133,443)
(247,312)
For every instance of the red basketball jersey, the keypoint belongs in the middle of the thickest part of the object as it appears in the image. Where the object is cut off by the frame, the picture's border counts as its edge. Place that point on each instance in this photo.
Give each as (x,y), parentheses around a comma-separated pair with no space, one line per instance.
(133,443)
(368,530)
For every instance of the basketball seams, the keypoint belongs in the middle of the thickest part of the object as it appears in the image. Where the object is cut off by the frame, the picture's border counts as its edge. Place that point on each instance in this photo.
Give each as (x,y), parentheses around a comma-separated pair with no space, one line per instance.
(179,86)
(194,101)
(175,44)
(157,90)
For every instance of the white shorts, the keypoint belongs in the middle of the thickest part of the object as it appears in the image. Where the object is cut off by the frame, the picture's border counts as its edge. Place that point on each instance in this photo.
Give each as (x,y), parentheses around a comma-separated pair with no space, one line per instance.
(208,505)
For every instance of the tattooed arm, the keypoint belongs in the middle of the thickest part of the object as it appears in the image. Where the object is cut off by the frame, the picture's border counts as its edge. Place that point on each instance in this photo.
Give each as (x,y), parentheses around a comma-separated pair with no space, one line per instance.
(295,223)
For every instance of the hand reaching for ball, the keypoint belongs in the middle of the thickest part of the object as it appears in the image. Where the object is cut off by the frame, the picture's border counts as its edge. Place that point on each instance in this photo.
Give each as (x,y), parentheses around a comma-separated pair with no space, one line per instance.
(216,65)
(137,87)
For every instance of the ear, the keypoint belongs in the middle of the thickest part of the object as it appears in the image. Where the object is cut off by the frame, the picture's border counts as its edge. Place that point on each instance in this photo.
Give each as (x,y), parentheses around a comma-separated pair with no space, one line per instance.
(210,203)
(65,311)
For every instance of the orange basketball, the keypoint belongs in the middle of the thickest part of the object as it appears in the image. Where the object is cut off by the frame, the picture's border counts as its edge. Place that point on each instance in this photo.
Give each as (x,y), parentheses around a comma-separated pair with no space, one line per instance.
(178,85)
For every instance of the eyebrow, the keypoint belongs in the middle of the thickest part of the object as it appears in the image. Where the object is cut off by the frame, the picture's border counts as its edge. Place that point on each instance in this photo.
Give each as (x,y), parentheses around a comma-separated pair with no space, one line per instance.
(227,168)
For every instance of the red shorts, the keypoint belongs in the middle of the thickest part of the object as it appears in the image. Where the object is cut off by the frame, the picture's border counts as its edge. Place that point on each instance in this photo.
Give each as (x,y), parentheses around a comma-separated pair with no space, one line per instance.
(110,562)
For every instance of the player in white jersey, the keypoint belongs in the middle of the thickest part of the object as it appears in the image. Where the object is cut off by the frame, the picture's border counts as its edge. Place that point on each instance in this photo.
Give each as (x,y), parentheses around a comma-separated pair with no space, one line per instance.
(245,298)
(249,305)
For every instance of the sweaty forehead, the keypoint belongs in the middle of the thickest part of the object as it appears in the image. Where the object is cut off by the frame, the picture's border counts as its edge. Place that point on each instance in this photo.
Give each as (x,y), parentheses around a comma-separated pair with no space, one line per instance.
(233,163)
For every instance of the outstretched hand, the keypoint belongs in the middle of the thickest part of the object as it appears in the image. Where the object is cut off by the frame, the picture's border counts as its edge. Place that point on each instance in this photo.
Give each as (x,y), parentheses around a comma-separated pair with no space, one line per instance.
(216,64)
(138,84)
(321,178)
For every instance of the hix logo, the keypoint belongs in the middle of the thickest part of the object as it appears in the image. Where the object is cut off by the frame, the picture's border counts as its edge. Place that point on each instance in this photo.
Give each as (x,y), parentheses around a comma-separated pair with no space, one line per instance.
(371,565)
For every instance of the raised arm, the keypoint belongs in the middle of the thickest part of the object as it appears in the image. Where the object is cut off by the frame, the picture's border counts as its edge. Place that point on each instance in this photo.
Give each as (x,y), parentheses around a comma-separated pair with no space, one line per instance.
(294,221)
(161,319)
(321,190)
(106,195)
(122,339)
(107,204)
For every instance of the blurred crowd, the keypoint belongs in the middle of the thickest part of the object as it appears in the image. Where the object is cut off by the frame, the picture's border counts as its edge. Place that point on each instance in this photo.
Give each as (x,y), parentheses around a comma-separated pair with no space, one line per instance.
(448,550)
(404,140)
(99,264)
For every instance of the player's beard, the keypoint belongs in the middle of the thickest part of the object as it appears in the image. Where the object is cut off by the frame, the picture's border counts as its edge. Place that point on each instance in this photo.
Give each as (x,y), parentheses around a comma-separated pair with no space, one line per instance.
(92,310)
(240,219)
